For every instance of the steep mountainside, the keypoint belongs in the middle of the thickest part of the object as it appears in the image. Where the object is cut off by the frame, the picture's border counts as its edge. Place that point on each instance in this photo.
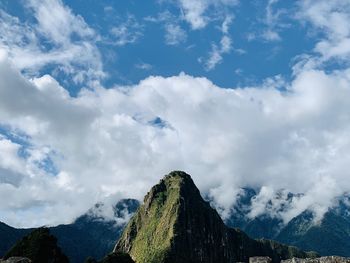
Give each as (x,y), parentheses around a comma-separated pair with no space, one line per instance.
(93,231)
(176,225)
(39,246)
(76,240)
(330,236)
(113,258)
(9,236)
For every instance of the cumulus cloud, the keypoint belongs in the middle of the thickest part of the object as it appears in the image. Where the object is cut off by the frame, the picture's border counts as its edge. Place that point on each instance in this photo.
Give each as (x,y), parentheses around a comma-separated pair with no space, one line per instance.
(70,41)
(105,142)
(62,154)
(330,19)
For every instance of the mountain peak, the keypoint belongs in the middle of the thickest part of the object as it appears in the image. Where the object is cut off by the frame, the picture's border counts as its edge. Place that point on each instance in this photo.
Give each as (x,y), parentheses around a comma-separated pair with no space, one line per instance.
(175,224)
(178,181)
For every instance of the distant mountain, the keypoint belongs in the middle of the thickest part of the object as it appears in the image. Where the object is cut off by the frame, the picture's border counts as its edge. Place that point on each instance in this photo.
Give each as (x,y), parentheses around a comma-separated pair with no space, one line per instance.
(39,246)
(93,231)
(330,236)
(175,224)
(89,235)
(9,236)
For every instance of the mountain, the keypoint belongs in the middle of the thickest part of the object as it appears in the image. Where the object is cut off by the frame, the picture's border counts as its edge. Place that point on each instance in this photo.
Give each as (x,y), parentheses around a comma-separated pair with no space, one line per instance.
(117,257)
(175,224)
(9,236)
(330,236)
(90,230)
(39,246)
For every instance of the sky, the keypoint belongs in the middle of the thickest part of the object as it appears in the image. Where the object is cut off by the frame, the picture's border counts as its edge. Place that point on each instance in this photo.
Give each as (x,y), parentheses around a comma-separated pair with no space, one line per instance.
(100,99)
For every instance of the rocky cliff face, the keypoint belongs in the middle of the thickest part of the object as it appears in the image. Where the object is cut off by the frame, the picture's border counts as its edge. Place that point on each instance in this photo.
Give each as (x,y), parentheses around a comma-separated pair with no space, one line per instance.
(176,225)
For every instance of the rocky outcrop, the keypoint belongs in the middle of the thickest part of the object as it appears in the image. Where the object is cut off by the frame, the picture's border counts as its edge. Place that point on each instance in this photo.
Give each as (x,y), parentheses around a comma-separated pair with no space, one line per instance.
(176,225)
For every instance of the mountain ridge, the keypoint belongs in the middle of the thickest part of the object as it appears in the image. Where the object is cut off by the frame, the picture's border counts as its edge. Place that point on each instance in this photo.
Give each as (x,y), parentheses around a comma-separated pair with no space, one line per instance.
(175,224)
(76,239)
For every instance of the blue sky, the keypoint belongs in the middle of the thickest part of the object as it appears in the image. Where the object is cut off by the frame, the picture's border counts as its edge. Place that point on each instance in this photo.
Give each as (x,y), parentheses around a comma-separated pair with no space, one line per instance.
(265,40)
(100,99)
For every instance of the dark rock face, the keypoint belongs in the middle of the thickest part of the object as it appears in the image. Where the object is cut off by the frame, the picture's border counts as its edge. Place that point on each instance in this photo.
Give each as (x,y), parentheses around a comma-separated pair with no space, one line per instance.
(39,246)
(175,224)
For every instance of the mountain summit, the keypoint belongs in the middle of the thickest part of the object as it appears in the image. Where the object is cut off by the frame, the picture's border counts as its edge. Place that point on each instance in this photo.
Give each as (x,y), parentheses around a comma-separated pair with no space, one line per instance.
(175,224)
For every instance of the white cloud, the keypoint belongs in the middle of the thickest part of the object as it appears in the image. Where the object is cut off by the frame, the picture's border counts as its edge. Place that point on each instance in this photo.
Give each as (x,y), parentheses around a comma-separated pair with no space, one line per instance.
(71,41)
(194,12)
(226,24)
(215,55)
(58,23)
(270,35)
(198,13)
(144,66)
(127,32)
(9,159)
(174,32)
(174,35)
(103,143)
(225,47)
(272,21)
(332,20)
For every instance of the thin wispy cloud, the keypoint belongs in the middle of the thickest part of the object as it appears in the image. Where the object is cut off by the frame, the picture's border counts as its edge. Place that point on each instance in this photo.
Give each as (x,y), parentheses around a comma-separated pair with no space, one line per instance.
(127,32)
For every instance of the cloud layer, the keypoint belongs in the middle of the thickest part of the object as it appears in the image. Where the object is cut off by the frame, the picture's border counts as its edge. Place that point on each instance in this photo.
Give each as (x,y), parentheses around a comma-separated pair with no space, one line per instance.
(120,141)
(60,154)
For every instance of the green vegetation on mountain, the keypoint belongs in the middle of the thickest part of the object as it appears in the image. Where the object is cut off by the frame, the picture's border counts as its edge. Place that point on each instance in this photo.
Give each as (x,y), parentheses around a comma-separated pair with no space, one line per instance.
(39,246)
(176,225)
(328,236)
(76,239)
(117,257)
(9,236)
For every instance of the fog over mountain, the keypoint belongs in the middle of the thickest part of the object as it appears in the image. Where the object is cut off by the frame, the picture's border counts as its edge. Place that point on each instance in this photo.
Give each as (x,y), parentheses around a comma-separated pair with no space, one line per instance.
(61,153)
